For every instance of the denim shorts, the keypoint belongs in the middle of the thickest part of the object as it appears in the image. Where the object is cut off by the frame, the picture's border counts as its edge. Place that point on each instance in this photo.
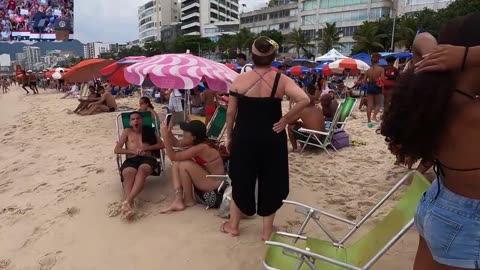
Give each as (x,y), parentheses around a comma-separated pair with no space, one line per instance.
(450,224)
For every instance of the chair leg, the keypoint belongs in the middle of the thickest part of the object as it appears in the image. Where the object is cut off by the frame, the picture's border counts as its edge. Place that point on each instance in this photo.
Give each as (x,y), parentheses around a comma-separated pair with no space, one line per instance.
(326,150)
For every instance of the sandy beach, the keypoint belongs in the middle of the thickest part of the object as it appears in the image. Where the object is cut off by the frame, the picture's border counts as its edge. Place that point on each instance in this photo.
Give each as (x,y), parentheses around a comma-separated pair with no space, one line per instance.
(60,194)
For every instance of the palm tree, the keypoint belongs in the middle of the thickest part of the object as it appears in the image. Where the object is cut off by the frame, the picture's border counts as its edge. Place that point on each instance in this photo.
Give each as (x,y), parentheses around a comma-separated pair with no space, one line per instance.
(329,38)
(368,39)
(406,31)
(297,39)
(244,38)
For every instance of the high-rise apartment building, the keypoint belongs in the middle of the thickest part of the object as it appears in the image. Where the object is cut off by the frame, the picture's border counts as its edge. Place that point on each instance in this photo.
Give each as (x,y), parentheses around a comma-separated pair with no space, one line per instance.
(347,14)
(209,18)
(408,6)
(155,14)
(94,49)
(32,56)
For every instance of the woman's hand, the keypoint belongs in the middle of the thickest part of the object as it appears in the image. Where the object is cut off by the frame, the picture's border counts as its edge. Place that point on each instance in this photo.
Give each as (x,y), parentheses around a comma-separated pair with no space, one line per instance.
(164,129)
(442,58)
(228,145)
(280,125)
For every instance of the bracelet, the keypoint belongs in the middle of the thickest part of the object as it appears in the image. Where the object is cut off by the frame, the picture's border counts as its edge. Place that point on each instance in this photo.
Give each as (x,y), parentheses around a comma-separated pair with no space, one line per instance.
(464,58)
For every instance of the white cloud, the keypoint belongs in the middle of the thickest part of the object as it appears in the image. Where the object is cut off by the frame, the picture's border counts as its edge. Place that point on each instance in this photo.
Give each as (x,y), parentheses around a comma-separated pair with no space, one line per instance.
(116,20)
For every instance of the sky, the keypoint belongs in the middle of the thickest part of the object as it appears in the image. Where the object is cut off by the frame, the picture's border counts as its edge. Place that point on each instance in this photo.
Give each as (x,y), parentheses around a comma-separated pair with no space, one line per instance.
(113,21)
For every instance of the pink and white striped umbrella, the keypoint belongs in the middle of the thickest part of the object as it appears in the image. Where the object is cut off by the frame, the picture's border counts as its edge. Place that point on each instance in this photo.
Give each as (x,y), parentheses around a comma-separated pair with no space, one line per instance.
(181,71)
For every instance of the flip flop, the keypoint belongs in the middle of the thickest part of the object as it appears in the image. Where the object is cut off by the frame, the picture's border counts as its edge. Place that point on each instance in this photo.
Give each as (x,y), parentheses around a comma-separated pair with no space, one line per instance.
(222,229)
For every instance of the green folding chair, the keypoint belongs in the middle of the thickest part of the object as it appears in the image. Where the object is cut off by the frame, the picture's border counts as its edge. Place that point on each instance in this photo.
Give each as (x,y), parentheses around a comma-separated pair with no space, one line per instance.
(123,122)
(347,108)
(288,251)
(321,139)
(216,126)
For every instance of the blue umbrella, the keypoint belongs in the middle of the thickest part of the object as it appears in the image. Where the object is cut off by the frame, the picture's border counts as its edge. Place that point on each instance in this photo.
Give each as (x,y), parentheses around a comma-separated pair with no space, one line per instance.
(277,64)
(367,58)
(319,68)
(404,55)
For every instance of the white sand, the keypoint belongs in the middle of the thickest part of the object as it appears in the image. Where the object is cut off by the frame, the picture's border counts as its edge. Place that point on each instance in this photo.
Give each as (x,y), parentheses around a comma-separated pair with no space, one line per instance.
(59,184)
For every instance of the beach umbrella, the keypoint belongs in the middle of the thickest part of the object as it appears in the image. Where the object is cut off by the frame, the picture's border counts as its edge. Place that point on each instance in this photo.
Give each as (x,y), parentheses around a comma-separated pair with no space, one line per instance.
(300,62)
(352,65)
(404,55)
(181,71)
(332,55)
(86,70)
(277,64)
(298,70)
(114,72)
(320,67)
(367,58)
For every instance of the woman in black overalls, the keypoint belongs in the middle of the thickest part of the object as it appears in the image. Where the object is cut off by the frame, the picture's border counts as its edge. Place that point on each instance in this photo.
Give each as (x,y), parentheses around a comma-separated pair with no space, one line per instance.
(258,143)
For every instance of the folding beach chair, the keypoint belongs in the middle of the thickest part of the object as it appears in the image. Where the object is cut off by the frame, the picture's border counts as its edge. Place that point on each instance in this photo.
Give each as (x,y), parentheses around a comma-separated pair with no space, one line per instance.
(216,126)
(123,121)
(286,252)
(321,139)
(348,105)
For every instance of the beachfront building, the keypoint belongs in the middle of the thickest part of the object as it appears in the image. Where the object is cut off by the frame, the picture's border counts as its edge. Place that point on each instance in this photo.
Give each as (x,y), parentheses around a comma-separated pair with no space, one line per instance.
(209,18)
(32,56)
(409,6)
(153,15)
(282,17)
(347,14)
(94,49)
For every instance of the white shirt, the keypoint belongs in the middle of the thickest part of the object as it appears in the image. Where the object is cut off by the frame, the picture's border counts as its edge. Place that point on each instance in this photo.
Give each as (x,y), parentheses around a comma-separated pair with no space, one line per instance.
(175,101)
(246,68)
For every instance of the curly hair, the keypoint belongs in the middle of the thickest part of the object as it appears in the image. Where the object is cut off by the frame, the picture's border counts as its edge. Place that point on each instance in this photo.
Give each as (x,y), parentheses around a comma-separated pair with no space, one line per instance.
(420,108)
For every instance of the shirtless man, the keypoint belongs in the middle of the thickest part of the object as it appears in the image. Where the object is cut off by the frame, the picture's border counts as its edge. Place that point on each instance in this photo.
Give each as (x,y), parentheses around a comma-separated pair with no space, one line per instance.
(208,98)
(312,118)
(92,97)
(105,104)
(140,163)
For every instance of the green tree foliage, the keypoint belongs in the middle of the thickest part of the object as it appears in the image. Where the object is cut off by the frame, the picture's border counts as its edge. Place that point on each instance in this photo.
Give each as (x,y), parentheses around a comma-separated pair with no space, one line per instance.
(133,51)
(297,39)
(275,35)
(155,48)
(370,35)
(368,38)
(244,39)
(329,38)
(196,44)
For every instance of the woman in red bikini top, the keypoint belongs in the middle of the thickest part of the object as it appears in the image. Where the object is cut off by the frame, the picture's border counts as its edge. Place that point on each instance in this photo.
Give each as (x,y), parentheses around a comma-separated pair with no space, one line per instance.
(192,165)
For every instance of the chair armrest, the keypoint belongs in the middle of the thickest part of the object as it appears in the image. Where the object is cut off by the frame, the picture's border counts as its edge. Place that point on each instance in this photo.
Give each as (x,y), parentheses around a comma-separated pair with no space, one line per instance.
(310,254)
(305,209)
(313,131)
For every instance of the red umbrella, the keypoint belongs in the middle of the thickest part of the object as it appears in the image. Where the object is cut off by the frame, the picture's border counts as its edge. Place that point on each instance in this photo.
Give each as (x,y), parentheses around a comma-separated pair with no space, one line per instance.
(115,71)
(86,70)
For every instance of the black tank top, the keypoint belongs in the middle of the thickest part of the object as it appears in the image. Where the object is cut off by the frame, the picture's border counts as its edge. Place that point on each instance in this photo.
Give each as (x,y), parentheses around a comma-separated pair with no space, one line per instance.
(257,115)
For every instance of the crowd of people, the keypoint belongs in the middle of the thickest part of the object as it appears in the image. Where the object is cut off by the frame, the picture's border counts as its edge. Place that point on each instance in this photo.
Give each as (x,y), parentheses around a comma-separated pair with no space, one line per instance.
(430,113)
(37,16)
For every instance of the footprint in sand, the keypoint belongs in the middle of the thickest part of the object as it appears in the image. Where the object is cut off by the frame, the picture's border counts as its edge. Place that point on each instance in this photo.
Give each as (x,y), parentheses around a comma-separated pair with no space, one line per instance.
(5,186)
(4,263)
(47,262)
(113,209)
(72,211)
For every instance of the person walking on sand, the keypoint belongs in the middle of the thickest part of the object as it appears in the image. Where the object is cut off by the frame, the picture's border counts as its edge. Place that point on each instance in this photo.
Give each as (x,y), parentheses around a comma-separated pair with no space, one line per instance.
(258,143)
(374,78)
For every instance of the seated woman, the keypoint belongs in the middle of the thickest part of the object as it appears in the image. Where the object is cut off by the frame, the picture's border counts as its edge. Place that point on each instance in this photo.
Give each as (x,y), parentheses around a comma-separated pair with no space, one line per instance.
(191,166)
(145,105)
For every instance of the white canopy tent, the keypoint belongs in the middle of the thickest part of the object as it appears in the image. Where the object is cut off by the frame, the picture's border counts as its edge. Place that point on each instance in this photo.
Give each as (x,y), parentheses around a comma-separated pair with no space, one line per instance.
(332,55)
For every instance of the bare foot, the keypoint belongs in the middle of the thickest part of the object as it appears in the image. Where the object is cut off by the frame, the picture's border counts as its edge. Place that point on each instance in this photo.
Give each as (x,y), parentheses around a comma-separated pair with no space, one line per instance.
(175,206)
(189,203)
(226,228)
(267,234)
(126,207)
